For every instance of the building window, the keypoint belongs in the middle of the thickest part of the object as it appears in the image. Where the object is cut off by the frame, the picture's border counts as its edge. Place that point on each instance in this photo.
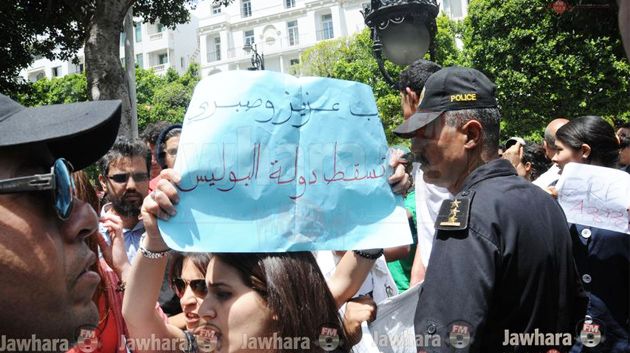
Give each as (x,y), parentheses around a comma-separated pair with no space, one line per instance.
(214,49)
(160,27)
(292,30)
(327,27)
(248,37)
(289,3)
(246,8)
(140,60)
(138,29)
(81,67)
(217,47)
(294,62)
(56,71)
(456,9)
(163,59)
(216,9)
(40,76)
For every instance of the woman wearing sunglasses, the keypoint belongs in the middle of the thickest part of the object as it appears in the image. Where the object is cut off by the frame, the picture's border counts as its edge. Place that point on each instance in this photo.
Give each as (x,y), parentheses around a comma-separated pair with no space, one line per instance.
(236,302)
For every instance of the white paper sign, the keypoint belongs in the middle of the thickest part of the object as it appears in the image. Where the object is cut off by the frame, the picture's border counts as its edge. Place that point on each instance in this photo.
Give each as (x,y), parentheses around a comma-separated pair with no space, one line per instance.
(595,196)
(393,330)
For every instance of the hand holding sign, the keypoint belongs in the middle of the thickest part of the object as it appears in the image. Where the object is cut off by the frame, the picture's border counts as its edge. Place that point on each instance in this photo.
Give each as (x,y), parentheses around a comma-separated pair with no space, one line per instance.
(270,162)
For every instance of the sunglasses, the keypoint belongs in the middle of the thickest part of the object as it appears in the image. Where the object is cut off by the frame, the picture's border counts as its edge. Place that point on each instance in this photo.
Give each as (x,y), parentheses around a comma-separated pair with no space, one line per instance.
(58,181)
(122,178)
(198,287)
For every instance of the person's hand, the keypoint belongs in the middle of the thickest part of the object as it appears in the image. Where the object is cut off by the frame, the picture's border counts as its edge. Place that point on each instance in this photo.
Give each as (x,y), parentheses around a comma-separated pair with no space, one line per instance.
(400,181)
(358,310)
(115,254)
(160,203)
(514,154)
(551,190)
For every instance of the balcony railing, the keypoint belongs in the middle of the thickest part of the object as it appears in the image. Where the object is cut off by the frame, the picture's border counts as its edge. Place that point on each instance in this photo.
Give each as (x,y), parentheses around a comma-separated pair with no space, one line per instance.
(156,36)
(213,56)
(160,68)
(281,44)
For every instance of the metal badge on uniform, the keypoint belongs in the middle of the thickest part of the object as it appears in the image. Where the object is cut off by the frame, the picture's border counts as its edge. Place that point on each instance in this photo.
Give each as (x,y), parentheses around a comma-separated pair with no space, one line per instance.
(453,214)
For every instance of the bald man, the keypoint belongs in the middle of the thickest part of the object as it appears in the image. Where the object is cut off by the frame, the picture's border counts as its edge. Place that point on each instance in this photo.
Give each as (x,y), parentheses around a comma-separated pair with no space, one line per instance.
(549,144)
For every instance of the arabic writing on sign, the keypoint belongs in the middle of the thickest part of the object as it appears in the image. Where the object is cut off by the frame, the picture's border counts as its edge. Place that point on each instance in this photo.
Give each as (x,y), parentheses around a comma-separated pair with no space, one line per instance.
(279,177)
(301,112)
(595,196)
(270,162)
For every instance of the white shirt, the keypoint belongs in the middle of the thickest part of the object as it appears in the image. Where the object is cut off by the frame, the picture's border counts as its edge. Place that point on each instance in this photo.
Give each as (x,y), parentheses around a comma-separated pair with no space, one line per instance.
(429,198)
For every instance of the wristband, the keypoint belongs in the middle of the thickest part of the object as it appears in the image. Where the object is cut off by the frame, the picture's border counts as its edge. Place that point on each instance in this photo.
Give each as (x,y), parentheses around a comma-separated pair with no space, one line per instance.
(371,254)
(153,254)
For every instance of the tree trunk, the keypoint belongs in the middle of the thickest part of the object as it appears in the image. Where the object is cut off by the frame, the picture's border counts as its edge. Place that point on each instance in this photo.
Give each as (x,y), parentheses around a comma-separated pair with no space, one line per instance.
(105,75)
(130,74)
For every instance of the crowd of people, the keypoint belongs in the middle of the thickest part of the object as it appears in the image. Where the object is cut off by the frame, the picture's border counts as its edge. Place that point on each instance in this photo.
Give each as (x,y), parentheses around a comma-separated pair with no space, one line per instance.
(500,269)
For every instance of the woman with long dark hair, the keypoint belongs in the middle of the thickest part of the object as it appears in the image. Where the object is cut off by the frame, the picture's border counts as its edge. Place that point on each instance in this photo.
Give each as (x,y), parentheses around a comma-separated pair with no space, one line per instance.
(250,302)
(602,256)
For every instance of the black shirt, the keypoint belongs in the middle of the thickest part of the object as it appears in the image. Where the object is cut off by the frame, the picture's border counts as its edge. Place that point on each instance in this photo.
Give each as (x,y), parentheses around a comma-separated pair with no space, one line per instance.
(510,271)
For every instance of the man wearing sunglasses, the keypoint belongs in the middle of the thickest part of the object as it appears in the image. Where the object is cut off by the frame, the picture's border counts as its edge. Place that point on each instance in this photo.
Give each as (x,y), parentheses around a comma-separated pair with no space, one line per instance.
(47,286)
(124,176)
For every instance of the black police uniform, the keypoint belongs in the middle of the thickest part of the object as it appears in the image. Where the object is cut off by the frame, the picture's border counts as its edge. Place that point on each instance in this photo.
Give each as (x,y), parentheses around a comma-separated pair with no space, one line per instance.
(603,260)
(501,263)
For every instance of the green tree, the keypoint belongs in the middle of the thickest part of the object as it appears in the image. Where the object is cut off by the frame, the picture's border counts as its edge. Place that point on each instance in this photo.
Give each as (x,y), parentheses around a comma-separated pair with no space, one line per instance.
(67,89)
(351,59)
(59,28)
(547,65)
(165,98)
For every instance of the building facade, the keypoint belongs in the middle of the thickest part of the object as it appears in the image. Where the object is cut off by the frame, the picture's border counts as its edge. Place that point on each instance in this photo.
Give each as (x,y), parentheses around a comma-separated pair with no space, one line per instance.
(216,36)
(455,9)
(278,29)
(155,47)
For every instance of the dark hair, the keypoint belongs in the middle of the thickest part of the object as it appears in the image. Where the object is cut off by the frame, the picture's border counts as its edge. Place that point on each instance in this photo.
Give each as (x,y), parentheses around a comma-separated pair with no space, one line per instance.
(152,131)
(170,131)
(294,290)
(199,260)
(416,74)
(624,142)
(625,125)
(124,148)
(595,132)
(489,118)
(534,153)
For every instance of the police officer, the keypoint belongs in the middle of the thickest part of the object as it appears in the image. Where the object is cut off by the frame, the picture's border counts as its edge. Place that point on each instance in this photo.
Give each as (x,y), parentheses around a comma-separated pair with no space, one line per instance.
(501,262)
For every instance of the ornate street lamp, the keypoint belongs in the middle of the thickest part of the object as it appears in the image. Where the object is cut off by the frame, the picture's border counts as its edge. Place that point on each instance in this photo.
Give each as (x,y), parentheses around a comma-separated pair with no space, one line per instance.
(258,60)
(402,29)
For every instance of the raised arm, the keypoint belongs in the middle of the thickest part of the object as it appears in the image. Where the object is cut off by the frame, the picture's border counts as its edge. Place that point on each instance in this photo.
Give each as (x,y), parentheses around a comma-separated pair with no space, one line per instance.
(349,275)
(147,271)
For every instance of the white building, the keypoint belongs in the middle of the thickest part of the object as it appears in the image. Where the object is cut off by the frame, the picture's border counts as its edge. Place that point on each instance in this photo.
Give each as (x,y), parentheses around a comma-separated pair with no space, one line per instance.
(42,68)
(280,29)
(155,46)
(160,48)
(216,35)
(455,9)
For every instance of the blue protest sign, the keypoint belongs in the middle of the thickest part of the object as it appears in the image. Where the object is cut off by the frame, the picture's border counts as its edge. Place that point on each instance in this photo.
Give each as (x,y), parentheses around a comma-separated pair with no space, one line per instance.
(271,162)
